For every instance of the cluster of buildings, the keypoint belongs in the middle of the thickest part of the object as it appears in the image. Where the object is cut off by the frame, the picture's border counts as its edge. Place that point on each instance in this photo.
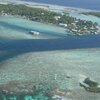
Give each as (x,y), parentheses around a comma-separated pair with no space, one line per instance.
(78,29)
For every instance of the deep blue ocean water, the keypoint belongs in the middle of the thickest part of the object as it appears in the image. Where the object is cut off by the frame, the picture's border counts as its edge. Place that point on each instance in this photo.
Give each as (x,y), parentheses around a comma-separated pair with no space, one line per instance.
(87,4)
(16,47)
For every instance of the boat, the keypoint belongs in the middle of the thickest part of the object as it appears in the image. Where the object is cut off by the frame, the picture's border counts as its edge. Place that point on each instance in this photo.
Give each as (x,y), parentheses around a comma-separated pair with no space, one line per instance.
(89,85)
(34,32)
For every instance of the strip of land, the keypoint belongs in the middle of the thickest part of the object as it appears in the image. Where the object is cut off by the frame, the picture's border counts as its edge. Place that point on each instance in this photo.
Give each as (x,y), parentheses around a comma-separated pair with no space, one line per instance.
(97,14)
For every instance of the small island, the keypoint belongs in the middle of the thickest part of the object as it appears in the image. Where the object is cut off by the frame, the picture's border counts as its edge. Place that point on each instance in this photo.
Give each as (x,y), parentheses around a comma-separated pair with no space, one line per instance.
(71,24)
(90,85)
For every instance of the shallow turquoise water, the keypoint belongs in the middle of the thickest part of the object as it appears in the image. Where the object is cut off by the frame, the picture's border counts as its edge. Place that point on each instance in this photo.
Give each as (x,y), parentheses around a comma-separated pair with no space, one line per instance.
(86,17)
(18,28)
(43,66)
(53,58)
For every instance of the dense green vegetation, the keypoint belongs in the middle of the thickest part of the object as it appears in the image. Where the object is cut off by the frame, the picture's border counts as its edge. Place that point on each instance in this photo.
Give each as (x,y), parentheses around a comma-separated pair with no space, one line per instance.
(36,14)
(74,25)
(97,14)
(90,85)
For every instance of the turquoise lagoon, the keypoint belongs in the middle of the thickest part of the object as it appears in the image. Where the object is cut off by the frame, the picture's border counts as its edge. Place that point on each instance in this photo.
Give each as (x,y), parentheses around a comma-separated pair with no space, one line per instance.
(86,17)
(24,57)
(18,28)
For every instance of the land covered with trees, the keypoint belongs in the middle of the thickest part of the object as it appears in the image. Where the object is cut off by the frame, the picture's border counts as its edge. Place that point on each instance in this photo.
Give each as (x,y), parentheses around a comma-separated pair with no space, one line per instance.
(72,24)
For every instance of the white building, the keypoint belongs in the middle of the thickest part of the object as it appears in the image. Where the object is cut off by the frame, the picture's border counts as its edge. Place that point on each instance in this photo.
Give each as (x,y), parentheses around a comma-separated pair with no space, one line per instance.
(63,25)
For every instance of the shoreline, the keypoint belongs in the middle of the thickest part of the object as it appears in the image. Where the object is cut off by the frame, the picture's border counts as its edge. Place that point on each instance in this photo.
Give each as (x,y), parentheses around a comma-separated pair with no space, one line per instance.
(71,21)
(48,6)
